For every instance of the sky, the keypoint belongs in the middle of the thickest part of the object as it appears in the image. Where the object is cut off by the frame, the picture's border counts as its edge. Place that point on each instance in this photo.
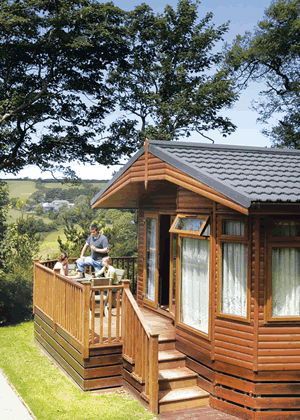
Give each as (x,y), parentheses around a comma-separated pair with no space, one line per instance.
(243,16)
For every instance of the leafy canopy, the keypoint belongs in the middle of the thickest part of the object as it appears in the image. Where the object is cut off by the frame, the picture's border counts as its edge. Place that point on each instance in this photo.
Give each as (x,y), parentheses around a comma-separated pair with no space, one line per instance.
(272,56)
(170,86)
(67,65)
(53,95)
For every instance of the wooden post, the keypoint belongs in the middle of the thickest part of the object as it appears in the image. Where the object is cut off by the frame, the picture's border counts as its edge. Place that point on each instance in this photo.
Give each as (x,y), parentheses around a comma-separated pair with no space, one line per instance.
(153,373)
(86,318)
(55,300)
(34,285)
(125,283)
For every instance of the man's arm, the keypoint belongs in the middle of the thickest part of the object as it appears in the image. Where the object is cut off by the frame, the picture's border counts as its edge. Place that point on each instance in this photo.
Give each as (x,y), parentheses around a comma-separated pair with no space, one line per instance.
(100,250)
(85,247)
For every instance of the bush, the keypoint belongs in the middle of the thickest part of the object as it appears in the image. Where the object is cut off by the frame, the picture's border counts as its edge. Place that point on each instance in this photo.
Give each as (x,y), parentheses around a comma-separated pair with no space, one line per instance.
(15,299)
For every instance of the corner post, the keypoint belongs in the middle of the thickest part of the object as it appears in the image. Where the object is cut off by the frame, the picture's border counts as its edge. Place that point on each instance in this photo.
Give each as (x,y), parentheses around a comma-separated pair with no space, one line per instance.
(34,285)
(153,373)
(86,318)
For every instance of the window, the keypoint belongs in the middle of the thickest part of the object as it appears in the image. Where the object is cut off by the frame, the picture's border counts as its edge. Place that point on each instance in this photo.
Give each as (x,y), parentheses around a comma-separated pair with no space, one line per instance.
(151,264)
(194,283)
(283,292)
(193,225)
(233,288)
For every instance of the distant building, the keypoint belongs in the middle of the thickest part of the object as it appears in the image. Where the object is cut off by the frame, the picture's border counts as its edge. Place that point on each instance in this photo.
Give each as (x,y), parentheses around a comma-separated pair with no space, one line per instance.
(55,205)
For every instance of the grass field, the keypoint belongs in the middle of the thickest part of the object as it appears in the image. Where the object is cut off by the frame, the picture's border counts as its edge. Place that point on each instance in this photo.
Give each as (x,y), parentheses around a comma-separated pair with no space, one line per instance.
(21,188)
(24,188)
(51,395)
(50,247)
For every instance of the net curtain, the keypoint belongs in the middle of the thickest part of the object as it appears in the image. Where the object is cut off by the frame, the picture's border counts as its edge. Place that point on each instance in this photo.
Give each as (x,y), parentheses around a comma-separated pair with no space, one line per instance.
(234,271)
(286,282)
(195,283)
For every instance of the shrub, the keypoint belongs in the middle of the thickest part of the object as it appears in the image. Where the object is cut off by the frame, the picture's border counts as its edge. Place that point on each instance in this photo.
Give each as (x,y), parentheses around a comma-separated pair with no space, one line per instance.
(15,299)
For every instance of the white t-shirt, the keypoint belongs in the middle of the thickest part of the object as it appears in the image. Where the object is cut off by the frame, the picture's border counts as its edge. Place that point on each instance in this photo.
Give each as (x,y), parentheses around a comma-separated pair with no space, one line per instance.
(61,267)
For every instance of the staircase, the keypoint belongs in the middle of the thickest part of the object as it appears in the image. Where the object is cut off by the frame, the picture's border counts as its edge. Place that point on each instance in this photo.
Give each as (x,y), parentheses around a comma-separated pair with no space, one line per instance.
(177,384)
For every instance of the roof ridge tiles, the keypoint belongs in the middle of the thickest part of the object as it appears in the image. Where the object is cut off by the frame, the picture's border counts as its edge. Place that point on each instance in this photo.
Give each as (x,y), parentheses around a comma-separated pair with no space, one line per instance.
(215,146)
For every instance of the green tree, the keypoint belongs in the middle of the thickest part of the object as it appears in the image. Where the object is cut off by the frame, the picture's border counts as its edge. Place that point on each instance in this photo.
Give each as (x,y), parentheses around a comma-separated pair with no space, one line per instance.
(122,234)
(4,201)
(170,86)
(53,59)
(271,55)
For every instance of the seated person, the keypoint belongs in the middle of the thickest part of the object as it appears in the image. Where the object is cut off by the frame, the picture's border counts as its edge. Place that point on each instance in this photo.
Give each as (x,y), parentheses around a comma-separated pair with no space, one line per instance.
(99,249)
(63,263)
(108,270)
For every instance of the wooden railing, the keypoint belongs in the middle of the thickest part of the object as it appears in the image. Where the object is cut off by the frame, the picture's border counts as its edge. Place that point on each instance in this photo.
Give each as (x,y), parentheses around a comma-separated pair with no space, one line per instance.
(66,302)
(108,329)
(140,348)
(70,305)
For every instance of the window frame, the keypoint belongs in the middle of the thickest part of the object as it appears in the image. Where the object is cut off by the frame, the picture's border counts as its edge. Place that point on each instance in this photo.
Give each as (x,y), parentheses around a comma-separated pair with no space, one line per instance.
(277,242)
(179,323)
(189,232)
(240,239)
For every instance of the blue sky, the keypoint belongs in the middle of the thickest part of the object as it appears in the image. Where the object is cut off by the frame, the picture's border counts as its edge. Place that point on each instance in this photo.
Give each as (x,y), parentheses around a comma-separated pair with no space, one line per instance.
(243,16)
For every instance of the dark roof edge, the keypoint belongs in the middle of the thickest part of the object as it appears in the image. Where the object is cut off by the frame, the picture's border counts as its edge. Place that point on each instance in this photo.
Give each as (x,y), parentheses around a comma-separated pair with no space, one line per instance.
(230,192)
(222,146)
(117,175)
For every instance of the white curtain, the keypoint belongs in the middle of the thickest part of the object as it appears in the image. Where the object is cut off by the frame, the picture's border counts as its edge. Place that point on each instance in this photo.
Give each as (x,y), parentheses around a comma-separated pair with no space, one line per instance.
(286,282)
(151,258)
(234,279)
(194,305)
(234,227)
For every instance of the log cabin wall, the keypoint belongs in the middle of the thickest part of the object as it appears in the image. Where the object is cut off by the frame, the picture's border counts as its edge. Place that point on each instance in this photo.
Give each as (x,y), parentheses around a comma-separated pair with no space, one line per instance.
(251,368)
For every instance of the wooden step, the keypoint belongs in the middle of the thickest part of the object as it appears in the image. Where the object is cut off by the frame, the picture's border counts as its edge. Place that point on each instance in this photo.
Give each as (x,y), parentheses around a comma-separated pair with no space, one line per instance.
(181,398)
(166,344)
(182,377)
(168,359)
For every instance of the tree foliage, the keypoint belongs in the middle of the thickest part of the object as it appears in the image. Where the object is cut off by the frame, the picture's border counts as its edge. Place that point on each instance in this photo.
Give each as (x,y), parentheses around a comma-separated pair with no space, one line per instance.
(53,96)
(170,86)
(271,55)
(67,65)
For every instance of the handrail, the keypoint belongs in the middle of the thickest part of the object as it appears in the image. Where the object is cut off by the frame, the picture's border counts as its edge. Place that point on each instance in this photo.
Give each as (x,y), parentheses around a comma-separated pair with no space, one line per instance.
(140,349)
(65,301)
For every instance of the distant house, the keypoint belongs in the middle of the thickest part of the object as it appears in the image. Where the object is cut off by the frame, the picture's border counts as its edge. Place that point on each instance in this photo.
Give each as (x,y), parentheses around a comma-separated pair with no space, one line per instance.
(55,205)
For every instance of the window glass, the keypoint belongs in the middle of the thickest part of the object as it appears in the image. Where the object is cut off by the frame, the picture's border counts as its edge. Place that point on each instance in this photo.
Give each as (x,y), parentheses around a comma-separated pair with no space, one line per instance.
(286,228)
(150,258)
(194,287)
(234,279)
(192,225)
(233,227)
(285,281)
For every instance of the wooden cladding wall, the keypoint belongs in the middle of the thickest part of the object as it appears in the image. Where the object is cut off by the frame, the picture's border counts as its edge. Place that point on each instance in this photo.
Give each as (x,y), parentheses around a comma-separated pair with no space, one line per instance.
(140,262)
(190,202)
(164,199)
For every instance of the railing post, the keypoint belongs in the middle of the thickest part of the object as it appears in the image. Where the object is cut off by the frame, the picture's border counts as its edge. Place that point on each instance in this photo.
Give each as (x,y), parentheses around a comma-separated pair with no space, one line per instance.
(153,373)
(126,283)
(86,318)
(56,300)
(34,285)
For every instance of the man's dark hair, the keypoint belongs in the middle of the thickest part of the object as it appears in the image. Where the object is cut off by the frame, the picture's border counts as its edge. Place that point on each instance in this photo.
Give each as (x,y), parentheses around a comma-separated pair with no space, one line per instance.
(94,226)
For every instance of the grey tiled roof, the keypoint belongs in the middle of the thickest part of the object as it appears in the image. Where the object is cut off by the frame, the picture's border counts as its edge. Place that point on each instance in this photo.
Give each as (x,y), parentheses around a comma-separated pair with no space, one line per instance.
(261,174)
(244,174)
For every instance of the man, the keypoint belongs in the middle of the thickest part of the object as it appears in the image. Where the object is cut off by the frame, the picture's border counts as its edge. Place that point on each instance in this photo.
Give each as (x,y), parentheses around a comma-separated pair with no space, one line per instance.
(99,249)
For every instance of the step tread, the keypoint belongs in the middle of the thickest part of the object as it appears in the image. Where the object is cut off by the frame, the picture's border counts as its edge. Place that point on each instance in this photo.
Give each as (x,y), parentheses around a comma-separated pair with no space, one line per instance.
(181,394)
(172,354)
(176,373)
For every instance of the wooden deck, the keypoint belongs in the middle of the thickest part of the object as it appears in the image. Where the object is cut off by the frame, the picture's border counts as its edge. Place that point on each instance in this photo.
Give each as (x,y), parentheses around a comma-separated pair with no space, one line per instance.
(158,325)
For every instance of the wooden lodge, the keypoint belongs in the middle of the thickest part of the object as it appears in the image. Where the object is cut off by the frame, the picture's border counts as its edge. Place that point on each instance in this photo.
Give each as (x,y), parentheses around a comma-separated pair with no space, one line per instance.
(216,318)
